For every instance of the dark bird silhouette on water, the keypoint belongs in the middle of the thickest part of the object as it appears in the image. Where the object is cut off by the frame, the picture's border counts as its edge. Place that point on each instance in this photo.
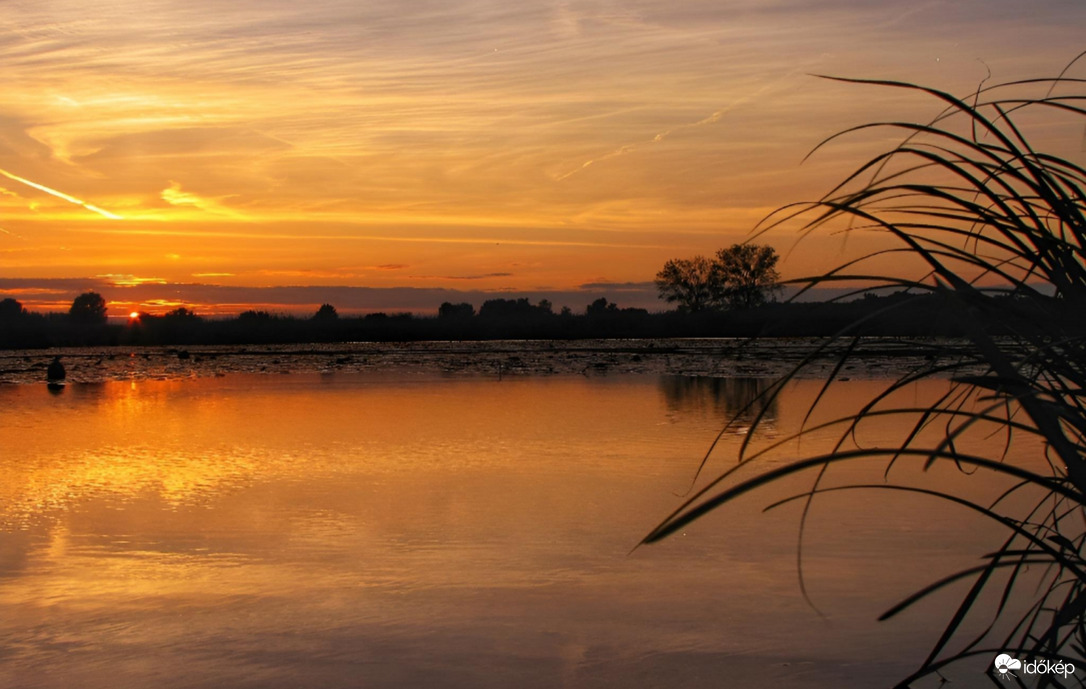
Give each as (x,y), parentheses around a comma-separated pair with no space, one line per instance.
(55,373)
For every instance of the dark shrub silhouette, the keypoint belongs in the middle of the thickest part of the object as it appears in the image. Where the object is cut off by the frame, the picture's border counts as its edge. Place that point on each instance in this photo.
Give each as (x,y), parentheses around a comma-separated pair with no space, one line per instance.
(449,310)
(55,372)
(514,308)
(11,310)
(326,312)
(601,307)
(182,315)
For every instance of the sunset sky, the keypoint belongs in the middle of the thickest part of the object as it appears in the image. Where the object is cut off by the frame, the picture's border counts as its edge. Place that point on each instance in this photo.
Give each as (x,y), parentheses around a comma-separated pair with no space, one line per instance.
(395,155)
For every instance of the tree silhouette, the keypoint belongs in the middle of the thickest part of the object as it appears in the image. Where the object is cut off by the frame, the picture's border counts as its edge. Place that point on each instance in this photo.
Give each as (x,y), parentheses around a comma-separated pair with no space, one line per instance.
(747,274)
(693,283)
(88,308)
(740,277)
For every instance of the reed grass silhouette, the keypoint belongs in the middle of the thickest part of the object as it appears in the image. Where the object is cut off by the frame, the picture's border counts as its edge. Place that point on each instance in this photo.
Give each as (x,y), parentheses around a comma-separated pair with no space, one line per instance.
(1001,230)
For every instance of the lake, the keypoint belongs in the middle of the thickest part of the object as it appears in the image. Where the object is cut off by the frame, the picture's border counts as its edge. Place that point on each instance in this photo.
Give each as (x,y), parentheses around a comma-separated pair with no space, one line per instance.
(388,529)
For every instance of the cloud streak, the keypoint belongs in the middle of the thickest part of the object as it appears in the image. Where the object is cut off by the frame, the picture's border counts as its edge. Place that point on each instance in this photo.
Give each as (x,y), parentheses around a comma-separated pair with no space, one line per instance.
(61,195)
(711,119)
(54,293)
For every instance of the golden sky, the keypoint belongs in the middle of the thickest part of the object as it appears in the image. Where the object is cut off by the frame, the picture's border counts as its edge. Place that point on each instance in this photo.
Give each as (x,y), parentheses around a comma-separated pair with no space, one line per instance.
(471,145)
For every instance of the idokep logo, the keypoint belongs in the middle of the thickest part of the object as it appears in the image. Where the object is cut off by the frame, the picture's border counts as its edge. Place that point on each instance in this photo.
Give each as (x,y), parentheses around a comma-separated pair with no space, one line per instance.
(1006,665)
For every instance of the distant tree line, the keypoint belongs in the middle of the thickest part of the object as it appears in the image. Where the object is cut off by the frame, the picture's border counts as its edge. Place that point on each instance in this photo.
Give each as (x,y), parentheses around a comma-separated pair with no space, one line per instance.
(85,323)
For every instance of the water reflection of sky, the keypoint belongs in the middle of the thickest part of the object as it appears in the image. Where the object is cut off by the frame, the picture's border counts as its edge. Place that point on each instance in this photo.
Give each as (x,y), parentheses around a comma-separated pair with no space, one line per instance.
(343,530)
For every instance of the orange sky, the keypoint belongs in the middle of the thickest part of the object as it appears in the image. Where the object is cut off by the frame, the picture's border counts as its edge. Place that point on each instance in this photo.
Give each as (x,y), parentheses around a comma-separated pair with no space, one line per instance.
(455,145)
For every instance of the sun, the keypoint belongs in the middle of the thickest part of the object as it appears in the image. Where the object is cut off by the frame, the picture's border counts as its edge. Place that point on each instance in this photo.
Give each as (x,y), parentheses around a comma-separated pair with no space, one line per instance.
(135,316)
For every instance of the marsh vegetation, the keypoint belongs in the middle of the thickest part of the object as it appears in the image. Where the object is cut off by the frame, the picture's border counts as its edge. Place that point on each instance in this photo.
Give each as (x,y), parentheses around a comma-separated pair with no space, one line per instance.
(1000,229)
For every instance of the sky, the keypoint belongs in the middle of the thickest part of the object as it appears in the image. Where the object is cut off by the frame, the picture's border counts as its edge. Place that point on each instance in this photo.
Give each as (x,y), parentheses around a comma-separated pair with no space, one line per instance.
(391,156)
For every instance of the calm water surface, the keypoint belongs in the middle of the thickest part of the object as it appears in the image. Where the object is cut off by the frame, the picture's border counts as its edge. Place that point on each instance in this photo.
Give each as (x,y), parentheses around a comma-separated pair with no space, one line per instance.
(352,530)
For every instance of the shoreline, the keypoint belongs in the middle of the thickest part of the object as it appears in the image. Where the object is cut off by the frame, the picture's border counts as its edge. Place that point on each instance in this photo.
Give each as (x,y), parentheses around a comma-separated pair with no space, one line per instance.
(874,357)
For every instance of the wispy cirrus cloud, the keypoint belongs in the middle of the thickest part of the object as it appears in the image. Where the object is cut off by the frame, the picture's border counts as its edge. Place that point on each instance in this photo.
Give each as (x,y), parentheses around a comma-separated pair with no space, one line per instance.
(559,135)
(176,196)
